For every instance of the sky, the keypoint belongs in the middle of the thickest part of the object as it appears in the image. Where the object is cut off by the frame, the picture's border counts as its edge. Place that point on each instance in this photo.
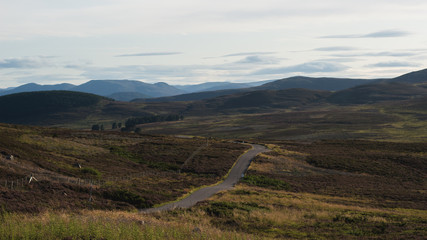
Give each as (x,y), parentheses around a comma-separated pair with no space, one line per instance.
(195,41)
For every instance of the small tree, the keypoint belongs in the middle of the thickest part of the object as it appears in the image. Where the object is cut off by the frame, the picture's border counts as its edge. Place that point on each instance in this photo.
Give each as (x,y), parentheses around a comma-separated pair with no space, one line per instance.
(102,127)
(114,126)
(95,127)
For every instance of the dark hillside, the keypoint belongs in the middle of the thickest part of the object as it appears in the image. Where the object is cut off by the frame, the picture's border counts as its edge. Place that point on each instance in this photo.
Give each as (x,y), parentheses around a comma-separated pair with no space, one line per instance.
(193,96)
(267,99)
(412,77)
(326,84)
(127,96)
(372,93)
(31,107)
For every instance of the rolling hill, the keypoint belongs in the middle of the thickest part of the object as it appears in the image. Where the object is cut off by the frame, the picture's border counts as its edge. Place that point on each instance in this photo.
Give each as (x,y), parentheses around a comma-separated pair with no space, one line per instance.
(127,96)
(374,93)
(262,100)
(44,107)
(325,84)
(412,77)
(77,109)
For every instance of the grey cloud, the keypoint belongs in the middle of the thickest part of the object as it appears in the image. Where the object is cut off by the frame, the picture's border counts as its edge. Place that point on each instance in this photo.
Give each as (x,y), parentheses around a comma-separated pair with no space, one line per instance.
(377,54)
(147,54)
(258,60)
(310,67)
(336,48)
(20,63)
(379,34)
(393,64)
(151,72)
(339,59)
(386,34)
(247,54)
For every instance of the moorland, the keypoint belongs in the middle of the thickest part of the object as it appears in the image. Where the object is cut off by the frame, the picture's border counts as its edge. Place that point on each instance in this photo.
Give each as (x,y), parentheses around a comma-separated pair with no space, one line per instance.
(344,164)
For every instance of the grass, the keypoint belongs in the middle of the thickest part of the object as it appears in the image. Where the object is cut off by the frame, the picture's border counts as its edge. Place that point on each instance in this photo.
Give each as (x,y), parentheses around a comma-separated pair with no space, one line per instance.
(263,181)
(246,212)
(371,122)
(266,213)
(103,225)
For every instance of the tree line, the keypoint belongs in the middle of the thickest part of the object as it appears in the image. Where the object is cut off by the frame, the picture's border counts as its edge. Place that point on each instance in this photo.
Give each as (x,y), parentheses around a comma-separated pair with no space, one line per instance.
(130,124)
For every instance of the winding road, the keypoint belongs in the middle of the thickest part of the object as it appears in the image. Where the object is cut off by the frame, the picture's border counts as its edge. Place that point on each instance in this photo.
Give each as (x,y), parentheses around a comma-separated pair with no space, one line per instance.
(204,193)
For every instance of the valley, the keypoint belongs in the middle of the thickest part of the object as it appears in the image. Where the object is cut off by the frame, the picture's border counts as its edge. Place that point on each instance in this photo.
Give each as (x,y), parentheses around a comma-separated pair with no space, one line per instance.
(345,163)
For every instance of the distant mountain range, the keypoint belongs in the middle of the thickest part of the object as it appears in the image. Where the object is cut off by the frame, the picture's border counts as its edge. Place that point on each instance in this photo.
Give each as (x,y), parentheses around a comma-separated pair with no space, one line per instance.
(57,107)
(214,86)
(128,90)
(117,89)
(326,84)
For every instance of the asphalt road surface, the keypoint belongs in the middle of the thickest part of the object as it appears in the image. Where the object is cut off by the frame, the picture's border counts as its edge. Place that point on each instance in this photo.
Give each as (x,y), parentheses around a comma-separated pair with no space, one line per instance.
(204,193)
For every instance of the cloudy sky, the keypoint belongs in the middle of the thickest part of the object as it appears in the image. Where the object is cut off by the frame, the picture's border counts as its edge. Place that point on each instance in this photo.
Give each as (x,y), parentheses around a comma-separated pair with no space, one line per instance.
(193,41)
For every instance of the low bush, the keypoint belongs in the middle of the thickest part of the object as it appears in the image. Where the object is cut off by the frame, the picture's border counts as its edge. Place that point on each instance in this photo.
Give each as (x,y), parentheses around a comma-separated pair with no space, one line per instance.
(91,171)
(128,197)
(263,181)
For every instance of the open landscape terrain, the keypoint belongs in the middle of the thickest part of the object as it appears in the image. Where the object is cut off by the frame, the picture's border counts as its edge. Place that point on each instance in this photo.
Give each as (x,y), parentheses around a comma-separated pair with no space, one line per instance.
(344,164)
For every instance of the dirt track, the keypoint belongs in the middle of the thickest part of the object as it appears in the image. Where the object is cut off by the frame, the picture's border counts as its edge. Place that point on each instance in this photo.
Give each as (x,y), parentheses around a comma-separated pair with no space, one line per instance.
(202,194)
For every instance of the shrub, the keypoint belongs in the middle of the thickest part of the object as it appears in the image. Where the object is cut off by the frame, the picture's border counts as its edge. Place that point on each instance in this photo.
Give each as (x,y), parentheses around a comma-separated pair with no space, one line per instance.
(91,171)
(128,197)
(263,181)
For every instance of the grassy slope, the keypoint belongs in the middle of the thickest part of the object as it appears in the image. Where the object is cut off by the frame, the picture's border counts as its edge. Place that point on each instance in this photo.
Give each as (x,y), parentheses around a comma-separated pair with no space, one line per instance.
(339,206)
(403,121)
(145,166)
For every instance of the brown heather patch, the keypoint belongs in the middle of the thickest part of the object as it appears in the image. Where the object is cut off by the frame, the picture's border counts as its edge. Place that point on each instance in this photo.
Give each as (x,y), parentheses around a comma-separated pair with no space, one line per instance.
(145,166)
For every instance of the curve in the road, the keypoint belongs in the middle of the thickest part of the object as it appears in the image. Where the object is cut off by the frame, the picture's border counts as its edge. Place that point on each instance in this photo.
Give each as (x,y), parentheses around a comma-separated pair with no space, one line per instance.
(204,193)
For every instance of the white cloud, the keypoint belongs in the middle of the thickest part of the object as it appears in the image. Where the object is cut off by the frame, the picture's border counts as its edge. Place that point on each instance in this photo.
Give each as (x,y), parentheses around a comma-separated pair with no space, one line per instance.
(148,54)
(145,39)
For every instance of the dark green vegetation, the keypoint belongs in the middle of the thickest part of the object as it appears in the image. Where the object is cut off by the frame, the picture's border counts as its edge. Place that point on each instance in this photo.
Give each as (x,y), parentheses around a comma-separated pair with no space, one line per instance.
(37,107)
(74,109)
(126,170)
(264,181)
(131,123)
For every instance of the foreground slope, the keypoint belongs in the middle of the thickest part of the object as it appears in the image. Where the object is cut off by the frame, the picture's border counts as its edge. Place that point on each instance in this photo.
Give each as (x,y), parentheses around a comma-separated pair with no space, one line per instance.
(104,170)
(299,190)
